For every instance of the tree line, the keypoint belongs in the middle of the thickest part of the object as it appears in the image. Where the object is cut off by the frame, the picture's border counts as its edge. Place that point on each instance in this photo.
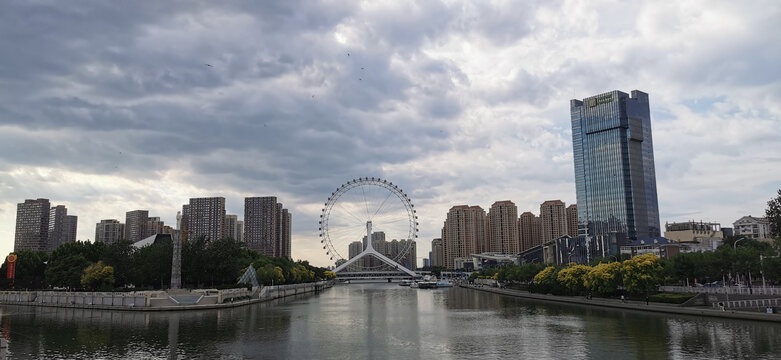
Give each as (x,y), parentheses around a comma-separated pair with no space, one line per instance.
(738,259)
(100,266)
(643,274)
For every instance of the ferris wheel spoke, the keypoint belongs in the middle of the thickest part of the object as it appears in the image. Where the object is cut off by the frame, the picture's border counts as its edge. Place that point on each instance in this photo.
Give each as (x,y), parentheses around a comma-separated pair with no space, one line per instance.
(365,203)
(382,204)
(351,214)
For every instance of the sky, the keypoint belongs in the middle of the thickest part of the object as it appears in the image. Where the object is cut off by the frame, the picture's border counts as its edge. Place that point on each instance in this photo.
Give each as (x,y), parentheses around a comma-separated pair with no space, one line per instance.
(107,107)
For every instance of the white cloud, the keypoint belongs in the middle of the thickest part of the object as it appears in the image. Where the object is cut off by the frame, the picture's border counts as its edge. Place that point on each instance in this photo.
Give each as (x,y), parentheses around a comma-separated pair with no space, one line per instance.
(110,109)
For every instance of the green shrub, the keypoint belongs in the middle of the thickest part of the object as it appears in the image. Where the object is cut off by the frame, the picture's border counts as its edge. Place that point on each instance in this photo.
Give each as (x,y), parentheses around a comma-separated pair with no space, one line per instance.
(671,298)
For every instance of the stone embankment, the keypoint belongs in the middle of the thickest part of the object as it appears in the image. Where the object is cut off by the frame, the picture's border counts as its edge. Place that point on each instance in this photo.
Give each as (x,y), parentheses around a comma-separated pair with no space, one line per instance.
(632,305)
(159,300)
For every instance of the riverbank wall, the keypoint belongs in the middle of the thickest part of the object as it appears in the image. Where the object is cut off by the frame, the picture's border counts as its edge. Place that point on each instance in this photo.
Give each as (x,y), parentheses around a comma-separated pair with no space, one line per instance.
(197,299)
(631,305)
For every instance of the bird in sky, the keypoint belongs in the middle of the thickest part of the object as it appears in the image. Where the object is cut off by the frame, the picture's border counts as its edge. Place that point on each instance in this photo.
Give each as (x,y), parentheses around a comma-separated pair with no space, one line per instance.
(209,65)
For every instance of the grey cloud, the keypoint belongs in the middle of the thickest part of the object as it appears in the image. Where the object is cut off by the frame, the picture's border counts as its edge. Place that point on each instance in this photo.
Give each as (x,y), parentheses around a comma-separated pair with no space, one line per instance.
(106,89)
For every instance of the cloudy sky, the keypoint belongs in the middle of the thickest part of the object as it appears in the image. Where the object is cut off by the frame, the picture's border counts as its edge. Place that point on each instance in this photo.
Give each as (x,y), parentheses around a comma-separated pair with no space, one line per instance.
(107,107)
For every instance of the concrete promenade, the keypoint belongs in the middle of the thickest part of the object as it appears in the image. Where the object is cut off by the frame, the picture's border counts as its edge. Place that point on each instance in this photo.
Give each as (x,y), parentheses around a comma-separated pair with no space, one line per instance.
(175,300)
(632,305)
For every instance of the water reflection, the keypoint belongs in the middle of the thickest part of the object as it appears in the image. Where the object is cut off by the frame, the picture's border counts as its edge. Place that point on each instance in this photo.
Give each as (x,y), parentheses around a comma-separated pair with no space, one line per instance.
(384,321)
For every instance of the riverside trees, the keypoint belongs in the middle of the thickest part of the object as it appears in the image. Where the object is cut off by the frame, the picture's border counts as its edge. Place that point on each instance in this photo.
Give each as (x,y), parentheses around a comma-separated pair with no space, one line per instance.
(205,263)
(639,275)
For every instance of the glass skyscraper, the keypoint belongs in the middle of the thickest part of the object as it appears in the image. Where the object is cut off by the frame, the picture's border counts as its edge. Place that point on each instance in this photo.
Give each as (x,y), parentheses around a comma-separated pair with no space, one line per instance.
(614,170)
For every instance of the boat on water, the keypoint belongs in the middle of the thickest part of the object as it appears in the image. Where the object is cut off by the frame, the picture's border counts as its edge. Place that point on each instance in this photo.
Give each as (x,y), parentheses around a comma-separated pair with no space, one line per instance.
(444,284)
(430,282)
(427,284)
(405,283)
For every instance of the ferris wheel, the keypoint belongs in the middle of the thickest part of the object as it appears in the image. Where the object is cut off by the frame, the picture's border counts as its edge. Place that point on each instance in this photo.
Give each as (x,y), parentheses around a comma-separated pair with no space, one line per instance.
(368,206)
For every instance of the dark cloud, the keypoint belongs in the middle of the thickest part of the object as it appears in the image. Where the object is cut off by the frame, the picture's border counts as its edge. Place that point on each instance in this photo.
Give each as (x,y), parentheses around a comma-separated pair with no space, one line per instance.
(457,102)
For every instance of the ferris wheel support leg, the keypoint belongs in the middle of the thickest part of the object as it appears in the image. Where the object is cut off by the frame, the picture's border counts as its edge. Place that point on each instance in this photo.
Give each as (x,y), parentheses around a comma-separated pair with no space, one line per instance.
(345,265)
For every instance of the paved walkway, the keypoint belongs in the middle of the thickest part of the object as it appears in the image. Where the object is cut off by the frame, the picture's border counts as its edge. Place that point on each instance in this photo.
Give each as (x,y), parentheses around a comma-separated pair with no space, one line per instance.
(633,305)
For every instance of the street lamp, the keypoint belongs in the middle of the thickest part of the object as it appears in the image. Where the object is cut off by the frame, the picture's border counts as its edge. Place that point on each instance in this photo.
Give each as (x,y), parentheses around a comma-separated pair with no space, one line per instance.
(735,249)
(735,244)
(762,270)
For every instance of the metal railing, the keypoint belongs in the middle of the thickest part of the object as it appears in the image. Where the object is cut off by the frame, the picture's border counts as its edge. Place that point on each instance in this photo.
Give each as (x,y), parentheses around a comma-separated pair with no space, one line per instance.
(729,290)
(760,304)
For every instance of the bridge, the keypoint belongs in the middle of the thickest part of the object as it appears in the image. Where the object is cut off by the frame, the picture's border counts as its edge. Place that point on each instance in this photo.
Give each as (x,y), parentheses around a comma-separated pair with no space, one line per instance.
(394,271)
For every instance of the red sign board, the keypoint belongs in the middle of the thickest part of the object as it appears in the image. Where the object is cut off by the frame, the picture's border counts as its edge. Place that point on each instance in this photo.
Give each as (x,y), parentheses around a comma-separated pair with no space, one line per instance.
(11,259)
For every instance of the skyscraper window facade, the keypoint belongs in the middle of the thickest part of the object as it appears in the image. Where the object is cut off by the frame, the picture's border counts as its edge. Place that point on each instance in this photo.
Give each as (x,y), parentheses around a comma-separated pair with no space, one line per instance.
(615,177)
(205,217)
(553,220)
(465,231)
(32,225)
(109,231)
(135,225)
(267,226)
(503,232)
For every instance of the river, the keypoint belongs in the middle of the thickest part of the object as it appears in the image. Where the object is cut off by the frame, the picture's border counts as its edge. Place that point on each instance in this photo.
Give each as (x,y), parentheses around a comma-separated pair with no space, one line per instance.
(384,321)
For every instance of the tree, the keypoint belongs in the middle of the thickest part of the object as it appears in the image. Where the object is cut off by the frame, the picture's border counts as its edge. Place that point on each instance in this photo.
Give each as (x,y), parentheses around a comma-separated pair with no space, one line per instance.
(573,278)
(30,270)
(194,262)
(65,270)
(546,281)
(153,264)
(642,274)
(98,276)
(773,214)
(270,275)
(121,256)
(604,278)
(222,266)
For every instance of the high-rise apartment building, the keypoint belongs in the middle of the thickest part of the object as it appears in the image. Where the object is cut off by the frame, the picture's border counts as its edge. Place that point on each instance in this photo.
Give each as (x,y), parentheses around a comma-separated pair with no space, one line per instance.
(284,232)
(529,230)
(240,231)
(553,220)
(437,253)
(464,232)
(410,259)
(70,228)
(232,226)
(136,224)
(260,224)
(615,177)
(355,248)
(205,217)
(57,224)
(572,220)
(62,227)
(503,223)
(32,225)
(154,226)
(183,226)
(109,231)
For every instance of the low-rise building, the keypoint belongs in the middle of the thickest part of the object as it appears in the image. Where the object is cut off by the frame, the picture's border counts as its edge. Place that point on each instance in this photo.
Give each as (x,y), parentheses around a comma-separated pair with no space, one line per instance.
(493,260)
(661,247)
(695,236)
(463,263)
(753,228)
